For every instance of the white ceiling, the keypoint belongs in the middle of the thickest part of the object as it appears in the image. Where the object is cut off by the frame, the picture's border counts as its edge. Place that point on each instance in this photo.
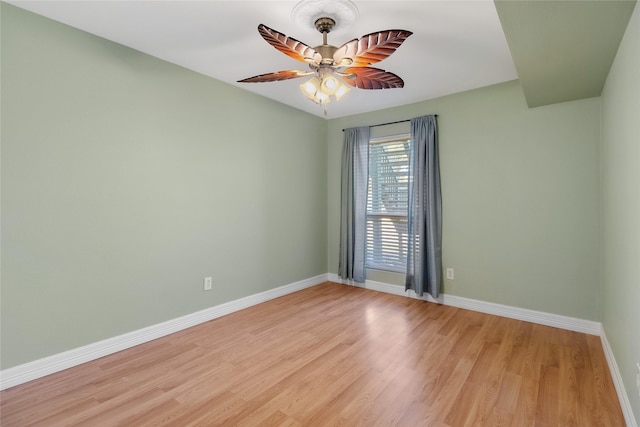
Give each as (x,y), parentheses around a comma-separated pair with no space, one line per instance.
(456,45)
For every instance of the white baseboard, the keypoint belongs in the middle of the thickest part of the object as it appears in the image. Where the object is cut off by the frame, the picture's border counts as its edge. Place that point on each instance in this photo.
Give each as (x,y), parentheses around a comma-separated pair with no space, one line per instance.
(48,365)
(625,404)
(39,368)
(564,322)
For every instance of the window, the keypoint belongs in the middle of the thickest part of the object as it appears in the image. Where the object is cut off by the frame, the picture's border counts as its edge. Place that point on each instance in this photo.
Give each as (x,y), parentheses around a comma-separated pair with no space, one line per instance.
(387,203)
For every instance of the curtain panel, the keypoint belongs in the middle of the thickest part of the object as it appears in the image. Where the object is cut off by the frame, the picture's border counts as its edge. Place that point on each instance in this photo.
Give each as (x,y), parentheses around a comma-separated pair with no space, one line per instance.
(353,203)
(424,254)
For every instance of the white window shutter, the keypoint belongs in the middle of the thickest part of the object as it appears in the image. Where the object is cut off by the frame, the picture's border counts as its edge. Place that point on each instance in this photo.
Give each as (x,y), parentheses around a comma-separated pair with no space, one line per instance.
(387,203)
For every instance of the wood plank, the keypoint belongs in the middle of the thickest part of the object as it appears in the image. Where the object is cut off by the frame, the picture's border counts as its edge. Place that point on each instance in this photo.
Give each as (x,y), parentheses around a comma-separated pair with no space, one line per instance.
(335,355)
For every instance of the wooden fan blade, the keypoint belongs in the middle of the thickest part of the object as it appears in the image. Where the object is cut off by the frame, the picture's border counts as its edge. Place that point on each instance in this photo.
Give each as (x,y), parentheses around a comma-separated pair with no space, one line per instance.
(289,46)
(372,78)
(370,48)
(274,77)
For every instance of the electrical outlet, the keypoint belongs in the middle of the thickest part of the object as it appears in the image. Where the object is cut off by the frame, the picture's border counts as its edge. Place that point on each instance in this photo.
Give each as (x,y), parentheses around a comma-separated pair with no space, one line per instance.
(450,274)
(208,283)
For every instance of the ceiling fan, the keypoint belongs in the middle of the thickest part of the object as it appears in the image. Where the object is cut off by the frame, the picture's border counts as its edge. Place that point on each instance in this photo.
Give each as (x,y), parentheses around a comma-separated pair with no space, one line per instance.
(332,66)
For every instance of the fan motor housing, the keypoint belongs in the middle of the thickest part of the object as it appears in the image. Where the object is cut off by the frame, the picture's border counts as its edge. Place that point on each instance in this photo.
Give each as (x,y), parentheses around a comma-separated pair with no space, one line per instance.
(327,52)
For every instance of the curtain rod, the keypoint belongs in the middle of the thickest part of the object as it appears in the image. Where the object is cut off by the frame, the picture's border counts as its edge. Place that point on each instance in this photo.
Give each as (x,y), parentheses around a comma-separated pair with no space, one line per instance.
(391,123)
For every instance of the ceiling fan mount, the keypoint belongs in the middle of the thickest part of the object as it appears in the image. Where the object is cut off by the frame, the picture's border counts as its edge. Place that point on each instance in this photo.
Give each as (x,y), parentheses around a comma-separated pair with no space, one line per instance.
(306,12)
(325,25)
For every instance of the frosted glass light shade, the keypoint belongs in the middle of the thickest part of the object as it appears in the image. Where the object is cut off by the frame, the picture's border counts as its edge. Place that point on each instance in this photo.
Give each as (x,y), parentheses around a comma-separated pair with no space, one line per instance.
(319,90)
(342,90)
(330,84)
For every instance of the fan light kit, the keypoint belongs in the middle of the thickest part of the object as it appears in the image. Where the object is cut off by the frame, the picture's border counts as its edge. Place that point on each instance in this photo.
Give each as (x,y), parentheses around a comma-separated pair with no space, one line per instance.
(333,69)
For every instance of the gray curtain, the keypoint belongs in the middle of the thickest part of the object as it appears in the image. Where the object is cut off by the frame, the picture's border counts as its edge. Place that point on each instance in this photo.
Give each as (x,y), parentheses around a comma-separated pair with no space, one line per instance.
(424,255)
(353,203)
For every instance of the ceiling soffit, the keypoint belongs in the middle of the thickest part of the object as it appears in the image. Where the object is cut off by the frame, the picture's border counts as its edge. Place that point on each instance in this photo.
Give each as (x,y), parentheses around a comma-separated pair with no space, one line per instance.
(563,50)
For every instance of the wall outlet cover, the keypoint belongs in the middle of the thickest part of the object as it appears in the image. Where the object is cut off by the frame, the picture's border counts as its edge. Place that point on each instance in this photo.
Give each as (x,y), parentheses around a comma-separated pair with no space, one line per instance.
(208,283)
(450,273)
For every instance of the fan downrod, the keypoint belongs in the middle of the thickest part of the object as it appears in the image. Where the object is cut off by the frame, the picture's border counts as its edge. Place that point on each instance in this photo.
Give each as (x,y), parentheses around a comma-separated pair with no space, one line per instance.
(324,25)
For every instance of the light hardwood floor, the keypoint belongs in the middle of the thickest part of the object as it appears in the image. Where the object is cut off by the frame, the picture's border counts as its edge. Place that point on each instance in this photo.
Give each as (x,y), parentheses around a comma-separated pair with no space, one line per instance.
(336,355)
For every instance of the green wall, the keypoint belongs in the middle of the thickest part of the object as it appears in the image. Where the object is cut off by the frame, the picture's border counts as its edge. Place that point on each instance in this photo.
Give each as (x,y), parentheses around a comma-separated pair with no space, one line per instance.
(126,180)
(520,191)
(621,207)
